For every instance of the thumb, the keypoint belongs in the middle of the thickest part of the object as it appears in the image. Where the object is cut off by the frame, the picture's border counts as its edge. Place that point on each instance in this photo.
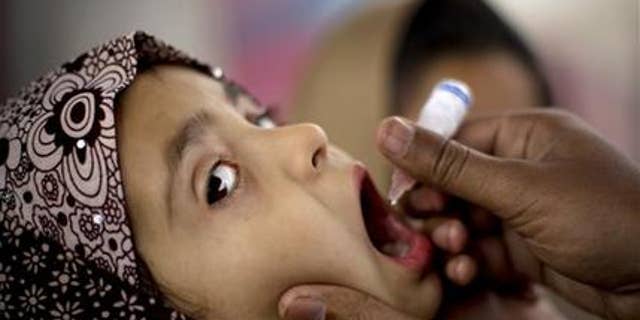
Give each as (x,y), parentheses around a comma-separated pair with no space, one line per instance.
(494,183)
(319,302)
(304,308)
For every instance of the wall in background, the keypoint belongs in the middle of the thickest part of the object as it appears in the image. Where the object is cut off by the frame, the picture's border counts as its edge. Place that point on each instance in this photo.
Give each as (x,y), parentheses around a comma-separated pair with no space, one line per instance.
(39,35)
(590,49)
(261,44)
(591,52)
(271,41)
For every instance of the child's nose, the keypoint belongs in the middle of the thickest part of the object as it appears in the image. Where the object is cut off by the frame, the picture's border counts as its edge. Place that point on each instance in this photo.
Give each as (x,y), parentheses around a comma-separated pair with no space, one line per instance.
(305,150)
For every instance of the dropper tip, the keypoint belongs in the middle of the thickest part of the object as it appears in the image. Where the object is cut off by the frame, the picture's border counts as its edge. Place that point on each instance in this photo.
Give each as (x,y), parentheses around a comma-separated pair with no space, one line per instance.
(395,193)
(400,184)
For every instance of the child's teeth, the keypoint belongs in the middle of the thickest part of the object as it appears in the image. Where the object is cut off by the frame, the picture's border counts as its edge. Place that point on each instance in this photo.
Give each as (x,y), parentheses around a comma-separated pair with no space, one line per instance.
(395,249)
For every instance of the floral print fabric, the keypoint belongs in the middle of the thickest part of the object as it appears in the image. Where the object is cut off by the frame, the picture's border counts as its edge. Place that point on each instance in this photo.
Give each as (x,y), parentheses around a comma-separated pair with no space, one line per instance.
(66,249)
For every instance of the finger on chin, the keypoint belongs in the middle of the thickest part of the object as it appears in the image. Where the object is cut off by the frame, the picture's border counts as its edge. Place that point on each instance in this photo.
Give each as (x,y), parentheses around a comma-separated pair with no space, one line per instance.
(341,303)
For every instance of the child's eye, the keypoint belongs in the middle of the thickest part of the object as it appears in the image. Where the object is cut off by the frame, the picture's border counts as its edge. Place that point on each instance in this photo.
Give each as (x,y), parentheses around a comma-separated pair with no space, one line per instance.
(222,180)
(264,121)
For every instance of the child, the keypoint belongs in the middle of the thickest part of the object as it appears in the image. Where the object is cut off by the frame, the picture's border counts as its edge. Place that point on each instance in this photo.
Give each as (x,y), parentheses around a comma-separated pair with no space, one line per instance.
(137,183)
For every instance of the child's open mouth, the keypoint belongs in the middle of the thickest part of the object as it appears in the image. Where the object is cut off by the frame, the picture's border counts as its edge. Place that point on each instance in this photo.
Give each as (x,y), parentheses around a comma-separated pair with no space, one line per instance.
(388,234)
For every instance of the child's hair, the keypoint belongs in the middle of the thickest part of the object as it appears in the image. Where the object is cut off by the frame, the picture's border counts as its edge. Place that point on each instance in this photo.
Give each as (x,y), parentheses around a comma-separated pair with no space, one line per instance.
(440,27)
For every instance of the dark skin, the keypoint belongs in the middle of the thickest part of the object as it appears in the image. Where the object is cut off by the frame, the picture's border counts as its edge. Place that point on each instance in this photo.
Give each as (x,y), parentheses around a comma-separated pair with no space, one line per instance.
(567,196)
(490,73)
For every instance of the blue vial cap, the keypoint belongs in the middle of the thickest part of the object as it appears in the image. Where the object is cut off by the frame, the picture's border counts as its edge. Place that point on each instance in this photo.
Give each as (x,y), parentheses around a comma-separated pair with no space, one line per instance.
(456,89)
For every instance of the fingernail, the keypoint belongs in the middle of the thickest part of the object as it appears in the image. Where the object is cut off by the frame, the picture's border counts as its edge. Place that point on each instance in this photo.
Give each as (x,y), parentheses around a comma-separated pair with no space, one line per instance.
(398,135)
(460,269)
(452,234)
(306,308)
(440,236)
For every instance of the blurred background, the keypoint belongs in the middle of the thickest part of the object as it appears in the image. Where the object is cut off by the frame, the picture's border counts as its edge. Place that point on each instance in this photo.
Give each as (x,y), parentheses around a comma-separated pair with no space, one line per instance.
(589,50)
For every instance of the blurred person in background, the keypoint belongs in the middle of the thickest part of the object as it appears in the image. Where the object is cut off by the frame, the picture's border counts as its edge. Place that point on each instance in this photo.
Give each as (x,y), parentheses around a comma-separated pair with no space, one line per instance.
(386,60)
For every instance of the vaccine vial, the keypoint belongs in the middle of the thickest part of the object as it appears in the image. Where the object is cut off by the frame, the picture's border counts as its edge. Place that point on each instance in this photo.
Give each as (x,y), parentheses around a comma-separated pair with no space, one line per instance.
(442,113)
(445,108)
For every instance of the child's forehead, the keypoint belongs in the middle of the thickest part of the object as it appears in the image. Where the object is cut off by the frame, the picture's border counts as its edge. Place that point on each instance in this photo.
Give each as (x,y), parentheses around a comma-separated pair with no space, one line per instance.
(186,86)
(244,103)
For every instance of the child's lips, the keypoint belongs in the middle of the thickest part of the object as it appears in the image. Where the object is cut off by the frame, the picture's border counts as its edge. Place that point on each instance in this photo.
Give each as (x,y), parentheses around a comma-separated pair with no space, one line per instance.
(388,235)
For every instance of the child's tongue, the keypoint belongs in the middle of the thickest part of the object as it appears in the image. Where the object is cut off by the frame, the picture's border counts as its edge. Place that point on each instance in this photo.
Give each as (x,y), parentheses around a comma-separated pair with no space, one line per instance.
(395,249)
(388,234)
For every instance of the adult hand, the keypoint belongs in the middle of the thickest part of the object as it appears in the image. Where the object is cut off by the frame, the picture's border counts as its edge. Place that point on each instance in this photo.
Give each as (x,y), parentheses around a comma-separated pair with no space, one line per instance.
(573,198)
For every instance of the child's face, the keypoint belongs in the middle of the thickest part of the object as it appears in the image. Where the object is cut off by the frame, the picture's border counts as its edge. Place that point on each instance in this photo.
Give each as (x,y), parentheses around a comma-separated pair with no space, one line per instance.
(229,215)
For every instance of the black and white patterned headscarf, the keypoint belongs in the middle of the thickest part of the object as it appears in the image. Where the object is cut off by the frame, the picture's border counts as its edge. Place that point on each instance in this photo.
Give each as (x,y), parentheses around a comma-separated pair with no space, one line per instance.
(66,250)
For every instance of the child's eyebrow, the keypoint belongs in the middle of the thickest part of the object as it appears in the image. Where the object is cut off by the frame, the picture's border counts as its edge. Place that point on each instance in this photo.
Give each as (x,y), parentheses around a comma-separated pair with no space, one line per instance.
(188,135)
